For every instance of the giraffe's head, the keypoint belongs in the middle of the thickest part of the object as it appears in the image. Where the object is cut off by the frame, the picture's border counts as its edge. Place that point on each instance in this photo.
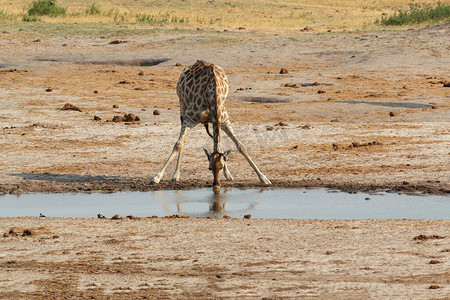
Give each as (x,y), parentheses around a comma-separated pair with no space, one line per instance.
(216,163)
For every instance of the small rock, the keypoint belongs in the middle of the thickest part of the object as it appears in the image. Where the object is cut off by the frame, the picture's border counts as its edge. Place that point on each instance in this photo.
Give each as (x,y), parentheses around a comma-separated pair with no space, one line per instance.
(97,118)
(434,262)
(283,124)
(117,119)
(447,84)
(241,28)
(247,216)
(434,106)
(116,42)
(69,106)
(156,112)
(269,128)
(130,118)
(306,127)
(178,65)
(49,90)
(392,114)
(434,287)
(115,106)
(320,92)
(423,237)
(336,120)
(367,199)
(141,73)
(116,217)
(27,232)
(284,71)
(95,92)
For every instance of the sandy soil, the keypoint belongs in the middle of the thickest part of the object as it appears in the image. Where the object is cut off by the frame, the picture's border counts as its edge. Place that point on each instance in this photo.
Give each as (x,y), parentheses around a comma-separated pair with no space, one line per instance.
(356,111)
(223,258)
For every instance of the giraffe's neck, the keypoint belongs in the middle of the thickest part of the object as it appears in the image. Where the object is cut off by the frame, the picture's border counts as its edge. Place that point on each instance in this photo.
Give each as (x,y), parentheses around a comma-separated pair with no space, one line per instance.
(216,117)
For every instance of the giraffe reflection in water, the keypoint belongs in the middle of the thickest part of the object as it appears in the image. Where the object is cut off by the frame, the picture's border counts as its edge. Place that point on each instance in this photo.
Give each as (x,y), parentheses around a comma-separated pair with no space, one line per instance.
(217,202)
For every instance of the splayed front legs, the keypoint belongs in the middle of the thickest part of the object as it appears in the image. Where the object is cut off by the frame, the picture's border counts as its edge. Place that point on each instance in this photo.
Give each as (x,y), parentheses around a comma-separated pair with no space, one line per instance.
(229,131)
(177,149)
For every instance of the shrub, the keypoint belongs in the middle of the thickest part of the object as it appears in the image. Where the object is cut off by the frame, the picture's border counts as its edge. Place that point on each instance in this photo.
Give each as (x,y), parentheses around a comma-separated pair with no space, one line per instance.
(93,10)
(28,18)
(418,14)
(46,8)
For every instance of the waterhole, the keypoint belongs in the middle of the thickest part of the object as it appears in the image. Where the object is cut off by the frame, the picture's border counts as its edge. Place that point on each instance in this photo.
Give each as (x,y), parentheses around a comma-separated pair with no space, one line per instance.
(259,203)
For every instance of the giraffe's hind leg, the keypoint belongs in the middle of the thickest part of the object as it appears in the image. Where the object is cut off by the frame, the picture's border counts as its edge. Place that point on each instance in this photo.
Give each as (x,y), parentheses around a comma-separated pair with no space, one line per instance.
(229,131)
(177,149)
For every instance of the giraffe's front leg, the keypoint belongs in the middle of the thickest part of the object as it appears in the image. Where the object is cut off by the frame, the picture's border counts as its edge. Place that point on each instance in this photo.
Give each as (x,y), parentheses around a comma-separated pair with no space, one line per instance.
(178,148)
(229,131)
(226,172)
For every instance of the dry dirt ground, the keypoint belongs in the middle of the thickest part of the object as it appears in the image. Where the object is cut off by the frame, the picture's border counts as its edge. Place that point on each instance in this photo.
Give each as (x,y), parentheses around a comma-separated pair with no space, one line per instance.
(58,258)
(355,111)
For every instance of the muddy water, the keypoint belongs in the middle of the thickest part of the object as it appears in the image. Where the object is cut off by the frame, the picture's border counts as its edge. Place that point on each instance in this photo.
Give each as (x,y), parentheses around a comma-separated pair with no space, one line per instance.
(259,203)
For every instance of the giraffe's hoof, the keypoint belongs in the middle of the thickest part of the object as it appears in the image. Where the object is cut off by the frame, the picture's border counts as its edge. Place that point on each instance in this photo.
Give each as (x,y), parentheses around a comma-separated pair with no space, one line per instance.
(154,181)
(265,180)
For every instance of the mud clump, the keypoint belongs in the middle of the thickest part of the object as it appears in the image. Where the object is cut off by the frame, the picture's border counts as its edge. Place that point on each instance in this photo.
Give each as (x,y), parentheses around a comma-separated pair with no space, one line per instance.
(434,262)
(117,42)
(128,118)
(69,106)
(291,85)
(434,287)
(27,232)
(12,232)
(423,237)
(116,217)
(355,145)
(176,217)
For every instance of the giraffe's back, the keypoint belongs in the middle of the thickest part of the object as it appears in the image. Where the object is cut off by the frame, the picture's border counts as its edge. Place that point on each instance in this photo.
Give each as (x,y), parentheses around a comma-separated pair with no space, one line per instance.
(202,89)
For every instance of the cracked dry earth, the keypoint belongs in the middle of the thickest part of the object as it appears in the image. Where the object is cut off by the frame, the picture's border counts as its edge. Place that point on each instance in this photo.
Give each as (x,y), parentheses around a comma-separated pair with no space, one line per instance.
(355,111)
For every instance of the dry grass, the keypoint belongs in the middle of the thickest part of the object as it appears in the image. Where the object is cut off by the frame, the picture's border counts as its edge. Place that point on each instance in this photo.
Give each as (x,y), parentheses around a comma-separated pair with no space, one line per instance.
(322,15)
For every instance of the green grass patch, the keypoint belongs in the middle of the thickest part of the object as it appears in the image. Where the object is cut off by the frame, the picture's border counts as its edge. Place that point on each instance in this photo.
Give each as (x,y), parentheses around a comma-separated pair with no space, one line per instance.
(418,14)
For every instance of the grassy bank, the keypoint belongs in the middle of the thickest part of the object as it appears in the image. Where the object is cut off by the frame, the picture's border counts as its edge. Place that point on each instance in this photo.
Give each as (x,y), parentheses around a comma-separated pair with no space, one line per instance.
(321,15)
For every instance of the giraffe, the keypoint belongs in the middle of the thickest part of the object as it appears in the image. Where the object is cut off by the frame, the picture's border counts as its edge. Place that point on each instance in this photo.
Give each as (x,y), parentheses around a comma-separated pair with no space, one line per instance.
(202,90)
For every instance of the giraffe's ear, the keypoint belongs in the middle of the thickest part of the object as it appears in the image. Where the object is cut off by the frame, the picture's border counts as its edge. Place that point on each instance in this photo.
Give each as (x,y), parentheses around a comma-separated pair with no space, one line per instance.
(208,154)
(226,153)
